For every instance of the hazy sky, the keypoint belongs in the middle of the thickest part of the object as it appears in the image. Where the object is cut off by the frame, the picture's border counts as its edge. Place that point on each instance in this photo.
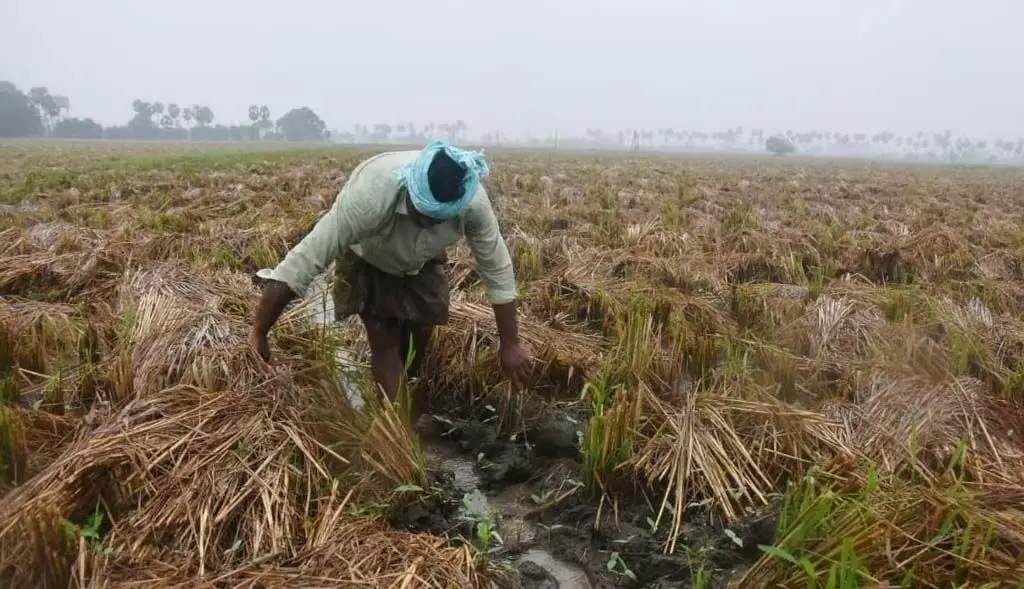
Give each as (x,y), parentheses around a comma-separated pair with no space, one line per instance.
(537,65)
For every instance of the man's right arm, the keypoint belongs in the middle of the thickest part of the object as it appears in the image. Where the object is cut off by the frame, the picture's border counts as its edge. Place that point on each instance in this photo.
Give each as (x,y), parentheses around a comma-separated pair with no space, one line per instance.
(356,213)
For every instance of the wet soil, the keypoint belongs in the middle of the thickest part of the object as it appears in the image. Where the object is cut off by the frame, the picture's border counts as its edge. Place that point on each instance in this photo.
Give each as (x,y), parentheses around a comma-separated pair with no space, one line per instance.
(546,522)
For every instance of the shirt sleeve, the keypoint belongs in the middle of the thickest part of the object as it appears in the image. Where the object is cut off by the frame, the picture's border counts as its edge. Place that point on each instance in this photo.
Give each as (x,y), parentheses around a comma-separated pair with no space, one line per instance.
(357,212)
(488,247)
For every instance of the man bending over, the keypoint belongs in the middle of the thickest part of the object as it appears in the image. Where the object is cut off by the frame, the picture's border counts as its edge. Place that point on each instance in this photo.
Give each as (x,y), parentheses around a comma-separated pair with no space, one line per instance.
(387,231)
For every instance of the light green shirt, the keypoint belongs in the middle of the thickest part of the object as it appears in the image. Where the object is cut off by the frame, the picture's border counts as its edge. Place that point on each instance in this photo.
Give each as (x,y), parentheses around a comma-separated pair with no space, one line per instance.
(371,216)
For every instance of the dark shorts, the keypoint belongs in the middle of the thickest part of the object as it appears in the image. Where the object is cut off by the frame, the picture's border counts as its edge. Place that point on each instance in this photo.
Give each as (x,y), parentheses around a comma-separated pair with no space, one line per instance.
(363,289)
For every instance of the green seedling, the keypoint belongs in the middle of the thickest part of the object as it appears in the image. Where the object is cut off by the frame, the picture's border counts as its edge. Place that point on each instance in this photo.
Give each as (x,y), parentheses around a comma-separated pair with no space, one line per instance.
(619,567)
(88,531)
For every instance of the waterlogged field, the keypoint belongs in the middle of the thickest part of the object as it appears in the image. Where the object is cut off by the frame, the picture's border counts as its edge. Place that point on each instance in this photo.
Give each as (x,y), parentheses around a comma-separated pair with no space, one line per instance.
(750,372)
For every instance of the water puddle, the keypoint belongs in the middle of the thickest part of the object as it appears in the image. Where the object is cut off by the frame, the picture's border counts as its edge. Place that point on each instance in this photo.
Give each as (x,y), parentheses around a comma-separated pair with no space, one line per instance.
(446,458)
(509,508)
(565,575)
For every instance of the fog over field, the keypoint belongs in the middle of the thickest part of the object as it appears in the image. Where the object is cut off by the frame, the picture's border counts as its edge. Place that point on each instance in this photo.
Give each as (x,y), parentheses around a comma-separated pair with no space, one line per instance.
(533,70)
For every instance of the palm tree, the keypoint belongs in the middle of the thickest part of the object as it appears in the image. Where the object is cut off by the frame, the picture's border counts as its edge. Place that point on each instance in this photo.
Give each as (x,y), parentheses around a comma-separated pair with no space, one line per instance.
(174,111)
(188,115)
(254,116)
(157,109)
(265,125)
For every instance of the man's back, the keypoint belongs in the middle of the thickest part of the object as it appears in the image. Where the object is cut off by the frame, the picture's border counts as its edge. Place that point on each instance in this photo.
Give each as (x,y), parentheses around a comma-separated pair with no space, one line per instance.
(374,214)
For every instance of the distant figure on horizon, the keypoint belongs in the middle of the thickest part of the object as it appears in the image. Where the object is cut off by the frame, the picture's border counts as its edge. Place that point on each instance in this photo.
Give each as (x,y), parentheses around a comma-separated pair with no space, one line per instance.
(387,231)
(634,147)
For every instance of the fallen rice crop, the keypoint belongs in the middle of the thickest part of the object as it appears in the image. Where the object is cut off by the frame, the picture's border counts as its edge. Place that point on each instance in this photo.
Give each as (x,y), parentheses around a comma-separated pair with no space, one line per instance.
(841,345)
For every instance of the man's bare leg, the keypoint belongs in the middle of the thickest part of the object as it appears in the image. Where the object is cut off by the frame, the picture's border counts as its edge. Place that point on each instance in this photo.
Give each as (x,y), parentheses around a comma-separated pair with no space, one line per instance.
(385,353)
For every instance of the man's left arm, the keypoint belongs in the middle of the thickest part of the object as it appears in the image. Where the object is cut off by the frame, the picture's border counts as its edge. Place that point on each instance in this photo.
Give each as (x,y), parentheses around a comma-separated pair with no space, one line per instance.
(495,268)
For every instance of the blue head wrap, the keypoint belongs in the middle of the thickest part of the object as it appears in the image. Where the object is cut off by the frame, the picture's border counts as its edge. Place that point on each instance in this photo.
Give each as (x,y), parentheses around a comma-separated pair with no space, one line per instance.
(414,178)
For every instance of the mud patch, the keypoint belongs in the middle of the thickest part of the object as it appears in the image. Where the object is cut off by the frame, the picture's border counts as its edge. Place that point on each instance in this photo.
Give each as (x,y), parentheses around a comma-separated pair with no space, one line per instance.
(555,533)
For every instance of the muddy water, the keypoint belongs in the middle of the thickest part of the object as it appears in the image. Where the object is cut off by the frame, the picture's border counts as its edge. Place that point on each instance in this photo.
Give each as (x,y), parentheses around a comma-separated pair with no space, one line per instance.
(446,458)
(507,506)
(567,576)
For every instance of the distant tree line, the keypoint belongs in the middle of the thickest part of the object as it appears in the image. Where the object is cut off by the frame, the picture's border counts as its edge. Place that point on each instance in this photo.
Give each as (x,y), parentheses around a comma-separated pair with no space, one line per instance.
(920,145)
(405,132)
(39,113)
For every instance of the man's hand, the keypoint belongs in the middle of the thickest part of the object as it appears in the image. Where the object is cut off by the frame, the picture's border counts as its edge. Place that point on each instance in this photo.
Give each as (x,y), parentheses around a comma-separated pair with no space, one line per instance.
(515,363)
(258,341)
(276,296)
